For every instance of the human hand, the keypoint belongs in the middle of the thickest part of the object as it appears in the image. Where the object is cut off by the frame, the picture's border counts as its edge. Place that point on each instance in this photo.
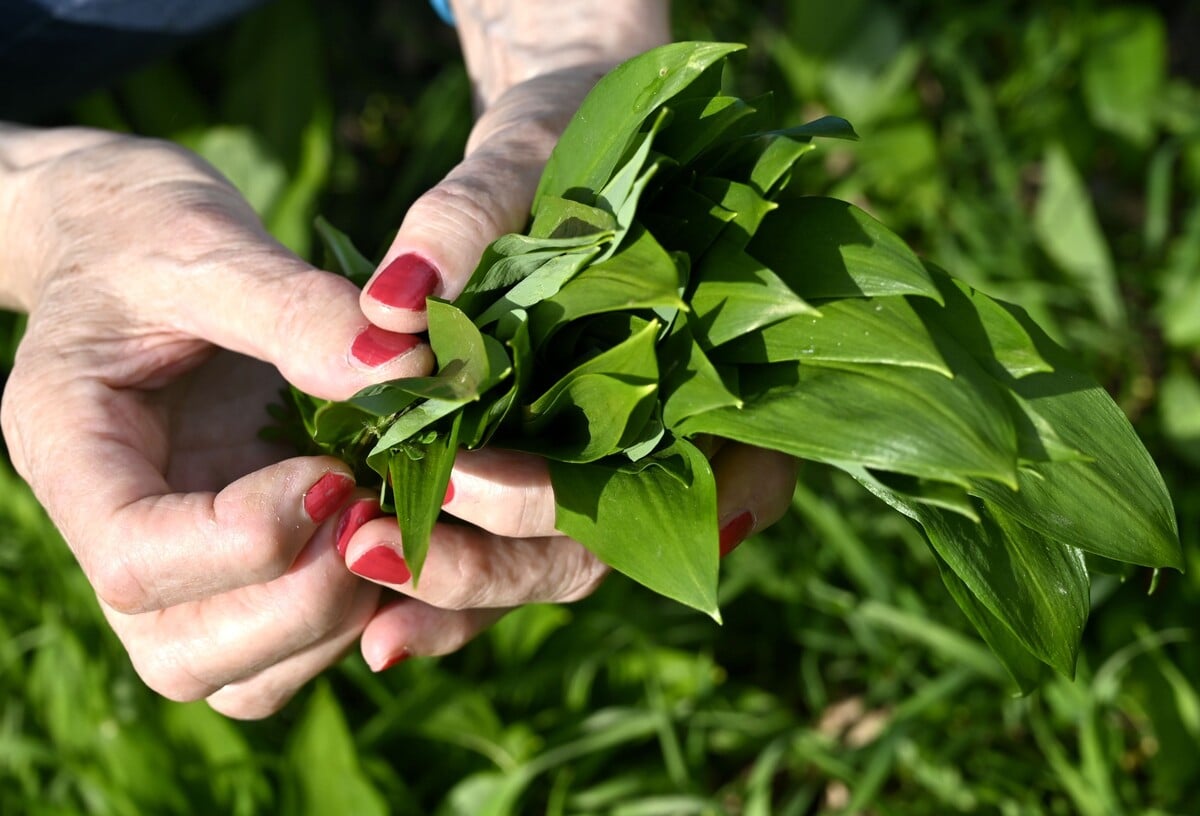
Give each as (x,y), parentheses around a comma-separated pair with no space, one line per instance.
(532,64)
(212,553)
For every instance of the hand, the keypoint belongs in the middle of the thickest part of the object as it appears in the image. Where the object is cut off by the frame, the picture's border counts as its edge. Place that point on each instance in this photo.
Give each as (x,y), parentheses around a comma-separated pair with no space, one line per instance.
(212,553)
(532,64)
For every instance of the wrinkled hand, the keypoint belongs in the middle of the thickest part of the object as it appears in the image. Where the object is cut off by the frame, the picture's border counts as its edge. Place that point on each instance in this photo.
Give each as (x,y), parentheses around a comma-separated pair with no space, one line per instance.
(134,407)
(532,63)
(162,317)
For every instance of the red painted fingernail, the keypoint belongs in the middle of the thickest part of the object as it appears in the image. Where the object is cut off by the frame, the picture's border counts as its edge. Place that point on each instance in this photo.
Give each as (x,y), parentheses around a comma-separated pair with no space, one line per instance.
(356,516)
(327,495)
(735,531)
(382,564)
(405,282)
(396,659)
(449,493)
(375,346)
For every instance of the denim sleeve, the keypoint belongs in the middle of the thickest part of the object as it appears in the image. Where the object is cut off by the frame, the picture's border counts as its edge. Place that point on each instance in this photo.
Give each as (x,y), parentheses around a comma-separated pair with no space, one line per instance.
(52,51)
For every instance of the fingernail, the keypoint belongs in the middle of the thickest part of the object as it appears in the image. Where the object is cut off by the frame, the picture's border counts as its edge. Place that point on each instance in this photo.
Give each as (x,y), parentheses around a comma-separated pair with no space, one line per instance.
(405,282)
(375,346)
(327,495)
(356,516)
(382,564)
(734,532)
(396,659)
(449,493)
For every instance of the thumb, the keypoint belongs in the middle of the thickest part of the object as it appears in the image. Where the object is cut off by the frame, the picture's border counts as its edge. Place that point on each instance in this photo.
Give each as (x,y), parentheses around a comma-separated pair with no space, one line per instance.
(487,195)
(271,305)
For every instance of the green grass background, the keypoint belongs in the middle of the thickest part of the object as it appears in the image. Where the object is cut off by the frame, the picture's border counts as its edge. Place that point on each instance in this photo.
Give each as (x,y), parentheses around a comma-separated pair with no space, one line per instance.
(1046,153)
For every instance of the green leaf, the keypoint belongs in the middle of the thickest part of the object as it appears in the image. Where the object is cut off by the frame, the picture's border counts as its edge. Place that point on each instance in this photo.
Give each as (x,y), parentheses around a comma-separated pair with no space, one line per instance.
(1124,70)
(641,275)
(853,330)
(596,138)
(543,283)
(764,160)
(685,221)
(985,328)
(483,419)
(620,194)
(648,525)
(907,420)
(1115,505)
(564,218)
(748,206)
(691,384)
(599,407)
(418,487)
(1026,670)
(735,294)
(1067,229)
(324,762)
(1036,587)
(697,123)
(342,256)
(510,259)
(825,248)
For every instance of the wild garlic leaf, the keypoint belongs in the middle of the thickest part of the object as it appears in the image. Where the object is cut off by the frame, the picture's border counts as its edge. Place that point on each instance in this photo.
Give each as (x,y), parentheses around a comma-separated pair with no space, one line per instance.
(418,487)
(854,330)
(697,122)
(649,525)
(596,138)
(691,383)
(1036,587)
(826,248)
(1027,671)
(906,420)
(734,294)
(641,275)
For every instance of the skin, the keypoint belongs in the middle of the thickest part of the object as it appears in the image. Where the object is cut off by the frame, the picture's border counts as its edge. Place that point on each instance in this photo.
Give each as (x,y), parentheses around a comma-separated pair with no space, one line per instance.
(163,319)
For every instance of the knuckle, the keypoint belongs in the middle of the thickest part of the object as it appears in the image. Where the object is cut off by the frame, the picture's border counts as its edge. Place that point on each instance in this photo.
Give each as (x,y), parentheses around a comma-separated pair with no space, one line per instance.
(162,669)
(116,582)
(463,199)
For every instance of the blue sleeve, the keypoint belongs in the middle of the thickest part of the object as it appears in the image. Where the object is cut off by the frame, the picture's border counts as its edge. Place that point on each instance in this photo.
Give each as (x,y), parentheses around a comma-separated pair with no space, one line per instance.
(52,51)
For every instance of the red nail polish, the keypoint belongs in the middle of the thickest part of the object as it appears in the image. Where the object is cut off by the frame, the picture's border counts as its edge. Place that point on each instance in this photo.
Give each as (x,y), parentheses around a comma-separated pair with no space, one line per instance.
(382,564)
(449,493)
(356,516)
(394,660)
(375,346)
(327,495)
(735,531)
(405,282)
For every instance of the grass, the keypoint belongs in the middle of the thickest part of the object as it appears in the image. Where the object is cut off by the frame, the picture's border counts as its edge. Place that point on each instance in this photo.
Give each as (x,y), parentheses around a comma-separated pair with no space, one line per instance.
(1048,154)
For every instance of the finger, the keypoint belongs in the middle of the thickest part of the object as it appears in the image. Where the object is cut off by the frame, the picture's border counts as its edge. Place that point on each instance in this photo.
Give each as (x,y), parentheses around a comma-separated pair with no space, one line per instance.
(96,458)
(469,568)
(307,323)
(504,492)
(190,651)
(408,628)
(754,490)
(210,270)
(265,693)
(489,194)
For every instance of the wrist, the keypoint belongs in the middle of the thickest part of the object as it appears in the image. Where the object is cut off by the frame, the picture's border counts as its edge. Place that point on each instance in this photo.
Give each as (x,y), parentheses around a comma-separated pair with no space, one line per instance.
(506,42)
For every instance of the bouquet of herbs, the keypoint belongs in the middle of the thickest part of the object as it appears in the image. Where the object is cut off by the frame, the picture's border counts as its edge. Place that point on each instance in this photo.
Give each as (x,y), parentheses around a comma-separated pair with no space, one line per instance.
(671,286)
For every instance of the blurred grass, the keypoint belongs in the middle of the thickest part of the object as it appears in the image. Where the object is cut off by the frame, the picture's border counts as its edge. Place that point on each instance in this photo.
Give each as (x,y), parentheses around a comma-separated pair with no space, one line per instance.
(1049,154)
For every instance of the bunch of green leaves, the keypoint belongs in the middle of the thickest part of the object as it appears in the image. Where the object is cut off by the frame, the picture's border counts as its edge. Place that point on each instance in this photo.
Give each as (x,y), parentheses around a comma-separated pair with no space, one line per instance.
(672,287)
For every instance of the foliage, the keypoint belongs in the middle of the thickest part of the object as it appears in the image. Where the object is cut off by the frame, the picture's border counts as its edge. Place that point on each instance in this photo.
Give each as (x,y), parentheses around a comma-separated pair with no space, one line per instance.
(842,680)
